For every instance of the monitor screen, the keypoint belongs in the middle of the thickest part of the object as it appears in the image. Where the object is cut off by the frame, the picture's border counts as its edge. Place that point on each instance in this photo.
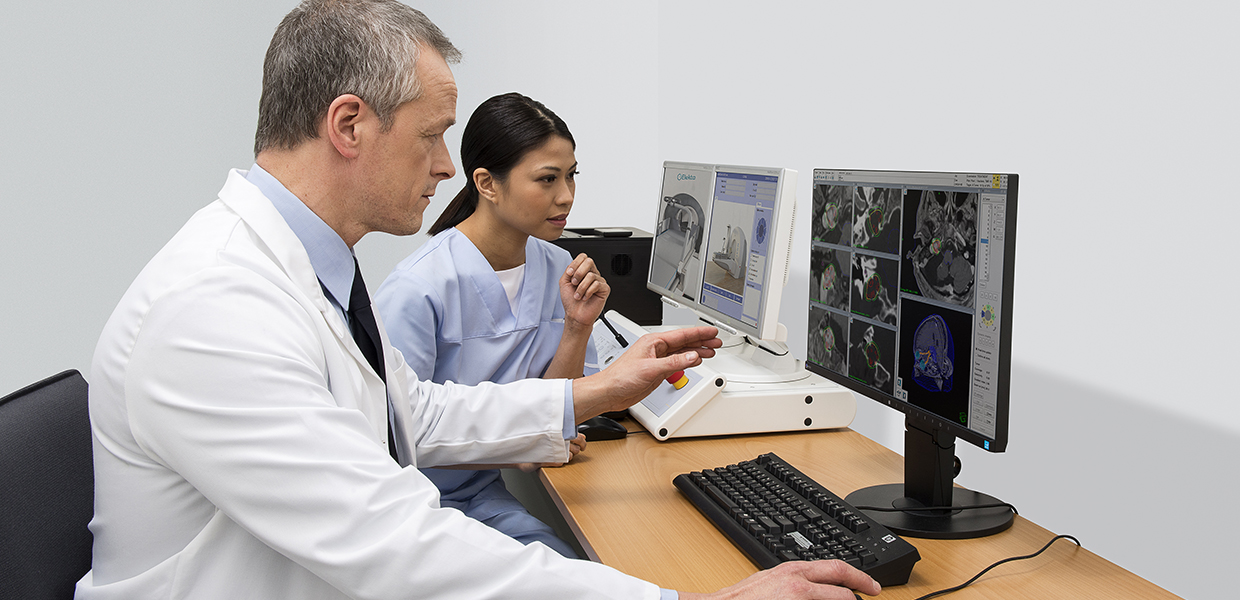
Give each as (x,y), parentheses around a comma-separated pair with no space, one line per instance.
(911,293)
(721,242)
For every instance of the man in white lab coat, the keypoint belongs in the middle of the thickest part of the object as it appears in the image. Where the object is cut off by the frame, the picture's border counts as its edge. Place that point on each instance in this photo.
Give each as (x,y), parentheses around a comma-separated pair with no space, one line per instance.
(242,436)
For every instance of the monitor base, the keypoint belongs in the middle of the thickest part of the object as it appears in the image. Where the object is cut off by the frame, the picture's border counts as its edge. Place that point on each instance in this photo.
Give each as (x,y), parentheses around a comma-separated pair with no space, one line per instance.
(956,524)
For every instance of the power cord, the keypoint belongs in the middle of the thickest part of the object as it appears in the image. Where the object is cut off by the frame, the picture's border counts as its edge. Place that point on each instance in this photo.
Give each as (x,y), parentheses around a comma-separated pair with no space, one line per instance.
(988,569)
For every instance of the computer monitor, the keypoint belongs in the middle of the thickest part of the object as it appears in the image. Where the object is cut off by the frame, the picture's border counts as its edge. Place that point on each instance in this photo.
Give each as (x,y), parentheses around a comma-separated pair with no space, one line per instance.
(910,304)
(722,241)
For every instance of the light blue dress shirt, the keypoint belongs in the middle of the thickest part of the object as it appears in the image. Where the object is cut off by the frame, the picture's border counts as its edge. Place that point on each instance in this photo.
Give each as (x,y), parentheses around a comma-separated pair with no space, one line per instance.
(330,257)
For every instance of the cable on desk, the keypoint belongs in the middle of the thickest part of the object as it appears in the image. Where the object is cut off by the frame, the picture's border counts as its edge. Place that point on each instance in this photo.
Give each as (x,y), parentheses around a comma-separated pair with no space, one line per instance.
(987,569)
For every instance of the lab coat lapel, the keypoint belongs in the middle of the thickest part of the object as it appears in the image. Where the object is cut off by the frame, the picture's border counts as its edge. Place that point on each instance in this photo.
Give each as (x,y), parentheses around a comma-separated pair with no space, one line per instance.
(290,255)
(397,388)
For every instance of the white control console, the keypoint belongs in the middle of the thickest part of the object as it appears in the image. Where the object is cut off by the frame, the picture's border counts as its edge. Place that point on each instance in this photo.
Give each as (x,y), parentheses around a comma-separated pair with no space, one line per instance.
(742,389)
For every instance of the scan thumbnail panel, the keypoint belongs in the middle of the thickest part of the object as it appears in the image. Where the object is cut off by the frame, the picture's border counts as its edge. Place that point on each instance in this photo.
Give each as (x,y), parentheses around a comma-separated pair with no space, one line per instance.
(833,214)
(940,240)
(874,287)
(872,355)
(830,274)
(935,348)
(828,339)
(876,218)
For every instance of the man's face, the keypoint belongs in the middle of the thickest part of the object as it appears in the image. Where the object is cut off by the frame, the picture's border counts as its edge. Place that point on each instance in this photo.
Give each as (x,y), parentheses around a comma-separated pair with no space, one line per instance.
(406,163)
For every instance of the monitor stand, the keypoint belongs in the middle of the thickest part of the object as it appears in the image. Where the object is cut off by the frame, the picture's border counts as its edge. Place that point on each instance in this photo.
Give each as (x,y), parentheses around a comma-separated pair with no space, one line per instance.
(744,388)
(930,465)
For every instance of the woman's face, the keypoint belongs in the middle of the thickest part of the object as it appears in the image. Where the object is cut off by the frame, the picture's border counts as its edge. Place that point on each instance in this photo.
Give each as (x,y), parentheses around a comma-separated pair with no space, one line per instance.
(538,193)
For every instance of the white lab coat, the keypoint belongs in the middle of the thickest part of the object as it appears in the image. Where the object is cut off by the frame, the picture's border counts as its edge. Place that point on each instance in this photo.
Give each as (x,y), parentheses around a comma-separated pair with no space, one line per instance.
(240,442)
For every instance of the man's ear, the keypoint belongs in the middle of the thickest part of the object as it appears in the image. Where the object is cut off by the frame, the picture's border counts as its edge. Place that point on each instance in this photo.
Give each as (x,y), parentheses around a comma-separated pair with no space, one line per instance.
(486,184)
(346,122)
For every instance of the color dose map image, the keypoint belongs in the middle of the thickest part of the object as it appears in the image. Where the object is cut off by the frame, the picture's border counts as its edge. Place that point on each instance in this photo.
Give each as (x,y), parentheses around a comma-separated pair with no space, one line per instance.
(935,346)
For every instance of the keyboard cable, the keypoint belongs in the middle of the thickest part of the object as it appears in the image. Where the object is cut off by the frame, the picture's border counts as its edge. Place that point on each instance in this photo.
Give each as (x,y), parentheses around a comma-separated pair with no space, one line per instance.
(1004,561)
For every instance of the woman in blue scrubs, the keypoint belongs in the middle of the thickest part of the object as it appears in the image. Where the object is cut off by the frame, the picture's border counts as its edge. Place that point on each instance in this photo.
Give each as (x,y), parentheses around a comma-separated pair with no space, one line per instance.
(489,298)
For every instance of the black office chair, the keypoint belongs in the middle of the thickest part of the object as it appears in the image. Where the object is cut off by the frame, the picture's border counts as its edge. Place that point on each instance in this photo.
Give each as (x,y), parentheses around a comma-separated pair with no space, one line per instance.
(47,489)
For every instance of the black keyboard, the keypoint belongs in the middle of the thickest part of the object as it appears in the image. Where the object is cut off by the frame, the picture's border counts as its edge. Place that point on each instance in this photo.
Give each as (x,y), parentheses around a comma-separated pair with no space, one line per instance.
(775,513)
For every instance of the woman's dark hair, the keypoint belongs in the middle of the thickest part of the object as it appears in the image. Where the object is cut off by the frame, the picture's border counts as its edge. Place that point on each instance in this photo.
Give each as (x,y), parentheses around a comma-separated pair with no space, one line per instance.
(499,134)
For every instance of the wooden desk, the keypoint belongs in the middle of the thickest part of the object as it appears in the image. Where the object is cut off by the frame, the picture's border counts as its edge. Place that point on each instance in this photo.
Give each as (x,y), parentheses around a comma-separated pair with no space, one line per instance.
(619,500)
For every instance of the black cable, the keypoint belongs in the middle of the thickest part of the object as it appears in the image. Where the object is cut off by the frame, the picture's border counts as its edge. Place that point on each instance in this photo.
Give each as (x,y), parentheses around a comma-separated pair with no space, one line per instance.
(619,338)
(987,569)
(938,508)
(758,343)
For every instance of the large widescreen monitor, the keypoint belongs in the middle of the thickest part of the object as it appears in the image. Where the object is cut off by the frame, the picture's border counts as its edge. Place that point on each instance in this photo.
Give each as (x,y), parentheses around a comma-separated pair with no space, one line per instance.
(721,243)
(910,304)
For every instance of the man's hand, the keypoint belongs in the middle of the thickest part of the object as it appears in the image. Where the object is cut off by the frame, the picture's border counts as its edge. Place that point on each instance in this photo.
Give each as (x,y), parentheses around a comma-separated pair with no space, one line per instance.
(824,579)
(641,369)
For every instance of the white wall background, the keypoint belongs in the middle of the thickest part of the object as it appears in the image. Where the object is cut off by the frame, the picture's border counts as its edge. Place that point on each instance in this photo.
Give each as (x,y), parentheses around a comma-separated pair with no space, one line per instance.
(1120,118)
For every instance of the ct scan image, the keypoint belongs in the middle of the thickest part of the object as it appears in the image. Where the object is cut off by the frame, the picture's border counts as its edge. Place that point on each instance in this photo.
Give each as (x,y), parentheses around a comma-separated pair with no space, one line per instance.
(940,260)
(832,214)
(872,355)
(830,273)
(877,218)
(874,288)
(827,342)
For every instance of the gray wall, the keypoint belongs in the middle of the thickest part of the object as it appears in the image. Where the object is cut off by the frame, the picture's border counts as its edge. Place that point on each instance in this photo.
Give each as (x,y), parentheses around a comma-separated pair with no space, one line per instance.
(124,117)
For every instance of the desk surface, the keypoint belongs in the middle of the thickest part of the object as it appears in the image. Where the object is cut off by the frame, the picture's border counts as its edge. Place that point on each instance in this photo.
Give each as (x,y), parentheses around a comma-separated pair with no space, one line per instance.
(619,500)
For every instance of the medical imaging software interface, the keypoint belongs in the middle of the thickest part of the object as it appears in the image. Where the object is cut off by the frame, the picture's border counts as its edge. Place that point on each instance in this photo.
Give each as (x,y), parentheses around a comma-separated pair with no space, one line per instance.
(741,219)
(712,244)
(905,287)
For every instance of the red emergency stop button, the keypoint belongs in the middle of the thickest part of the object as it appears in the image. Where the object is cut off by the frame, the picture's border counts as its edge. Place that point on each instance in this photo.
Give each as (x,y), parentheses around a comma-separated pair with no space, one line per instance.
(678,379)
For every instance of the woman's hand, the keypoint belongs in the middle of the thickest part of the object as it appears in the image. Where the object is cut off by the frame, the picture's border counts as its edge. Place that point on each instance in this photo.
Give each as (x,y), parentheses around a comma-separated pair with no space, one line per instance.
(583,292)
(575,446)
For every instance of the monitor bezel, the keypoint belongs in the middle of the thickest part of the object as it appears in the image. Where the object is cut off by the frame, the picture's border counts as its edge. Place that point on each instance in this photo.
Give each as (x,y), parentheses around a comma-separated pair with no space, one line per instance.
(930,420)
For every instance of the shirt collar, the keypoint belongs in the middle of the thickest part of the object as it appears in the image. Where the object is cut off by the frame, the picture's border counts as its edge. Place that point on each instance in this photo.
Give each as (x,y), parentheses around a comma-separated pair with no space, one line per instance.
(330,257)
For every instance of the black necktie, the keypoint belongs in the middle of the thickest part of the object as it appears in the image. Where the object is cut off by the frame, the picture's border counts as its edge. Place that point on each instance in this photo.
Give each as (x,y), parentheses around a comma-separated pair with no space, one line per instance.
(366,333)
(362,323)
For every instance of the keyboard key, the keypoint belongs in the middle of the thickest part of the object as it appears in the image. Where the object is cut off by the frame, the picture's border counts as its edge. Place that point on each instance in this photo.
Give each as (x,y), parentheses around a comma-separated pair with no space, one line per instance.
(771,526)
(785,525)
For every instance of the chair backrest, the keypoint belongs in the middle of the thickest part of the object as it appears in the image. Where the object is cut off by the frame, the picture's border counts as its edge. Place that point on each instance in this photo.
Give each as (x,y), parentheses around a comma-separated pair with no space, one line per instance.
(47,488)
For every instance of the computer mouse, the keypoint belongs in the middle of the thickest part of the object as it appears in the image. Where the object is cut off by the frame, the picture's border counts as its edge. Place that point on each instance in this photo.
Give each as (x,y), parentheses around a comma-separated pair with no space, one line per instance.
(602,428)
